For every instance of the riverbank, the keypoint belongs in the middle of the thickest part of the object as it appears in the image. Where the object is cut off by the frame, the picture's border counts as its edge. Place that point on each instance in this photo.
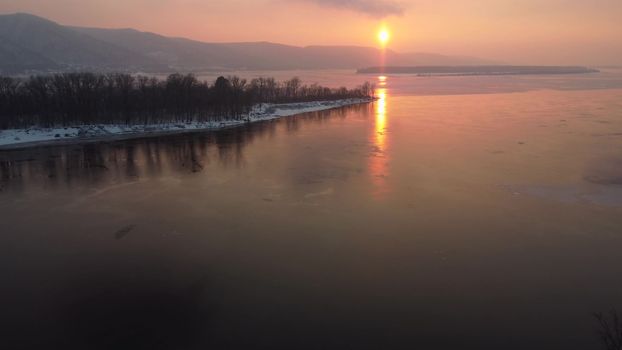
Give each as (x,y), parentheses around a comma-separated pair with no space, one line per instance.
(37,136)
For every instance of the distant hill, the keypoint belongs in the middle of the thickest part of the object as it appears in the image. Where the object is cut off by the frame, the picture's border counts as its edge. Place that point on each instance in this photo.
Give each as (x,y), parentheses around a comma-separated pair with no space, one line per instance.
(56,47)
(15,58)
(31,43)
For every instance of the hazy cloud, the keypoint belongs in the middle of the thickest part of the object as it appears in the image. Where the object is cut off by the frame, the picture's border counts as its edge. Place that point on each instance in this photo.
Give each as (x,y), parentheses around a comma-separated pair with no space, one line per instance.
(373,8)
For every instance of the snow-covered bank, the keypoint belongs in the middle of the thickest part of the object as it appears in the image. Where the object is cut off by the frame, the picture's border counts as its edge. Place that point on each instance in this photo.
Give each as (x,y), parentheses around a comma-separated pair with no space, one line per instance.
(19,138)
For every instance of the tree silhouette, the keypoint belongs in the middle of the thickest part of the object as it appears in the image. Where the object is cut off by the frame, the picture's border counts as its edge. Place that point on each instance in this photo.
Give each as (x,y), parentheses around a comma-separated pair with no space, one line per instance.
(610,329)
(117,98)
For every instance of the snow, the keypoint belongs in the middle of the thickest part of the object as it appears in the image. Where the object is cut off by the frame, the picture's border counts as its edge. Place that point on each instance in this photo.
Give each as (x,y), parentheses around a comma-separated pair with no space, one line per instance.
(16,138)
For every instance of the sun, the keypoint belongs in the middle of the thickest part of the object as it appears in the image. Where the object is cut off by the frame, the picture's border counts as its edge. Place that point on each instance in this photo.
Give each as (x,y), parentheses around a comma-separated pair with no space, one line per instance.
(384,36)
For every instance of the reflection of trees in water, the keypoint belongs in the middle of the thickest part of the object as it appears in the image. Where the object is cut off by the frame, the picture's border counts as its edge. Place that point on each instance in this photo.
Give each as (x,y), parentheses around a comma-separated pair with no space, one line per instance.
(293,124)
(189,155)
(10,171)
(94,163)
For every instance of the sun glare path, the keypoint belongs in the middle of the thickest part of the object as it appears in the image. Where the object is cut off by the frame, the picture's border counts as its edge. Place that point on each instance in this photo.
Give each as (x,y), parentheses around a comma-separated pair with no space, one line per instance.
(378,166)
(382,80)
(384,36)
(381,119)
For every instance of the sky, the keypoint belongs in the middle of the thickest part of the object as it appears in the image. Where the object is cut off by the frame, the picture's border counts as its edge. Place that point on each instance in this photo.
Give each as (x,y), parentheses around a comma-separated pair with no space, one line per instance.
(587,32)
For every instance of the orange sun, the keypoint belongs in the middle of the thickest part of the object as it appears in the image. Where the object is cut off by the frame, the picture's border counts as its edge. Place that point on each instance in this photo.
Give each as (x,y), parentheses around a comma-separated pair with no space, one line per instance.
(384,36)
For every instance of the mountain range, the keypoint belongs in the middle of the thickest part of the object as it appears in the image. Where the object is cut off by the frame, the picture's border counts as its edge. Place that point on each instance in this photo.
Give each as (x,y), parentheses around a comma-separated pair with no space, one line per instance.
(33,44)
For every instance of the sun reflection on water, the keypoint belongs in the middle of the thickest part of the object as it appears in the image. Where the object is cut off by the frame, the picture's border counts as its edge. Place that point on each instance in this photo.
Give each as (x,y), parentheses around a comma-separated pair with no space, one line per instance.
(378,166)
(381,118)
(382,80)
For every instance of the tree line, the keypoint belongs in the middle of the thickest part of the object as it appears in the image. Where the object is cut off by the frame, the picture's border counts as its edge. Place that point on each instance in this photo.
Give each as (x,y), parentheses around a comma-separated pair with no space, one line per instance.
(89,98)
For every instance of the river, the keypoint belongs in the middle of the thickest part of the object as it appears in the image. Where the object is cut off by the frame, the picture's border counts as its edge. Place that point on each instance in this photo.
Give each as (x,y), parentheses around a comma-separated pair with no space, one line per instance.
(454,212)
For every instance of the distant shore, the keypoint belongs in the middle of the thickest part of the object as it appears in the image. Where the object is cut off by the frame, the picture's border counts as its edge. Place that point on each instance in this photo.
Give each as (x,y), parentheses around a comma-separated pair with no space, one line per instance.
(36,136)
(477,70)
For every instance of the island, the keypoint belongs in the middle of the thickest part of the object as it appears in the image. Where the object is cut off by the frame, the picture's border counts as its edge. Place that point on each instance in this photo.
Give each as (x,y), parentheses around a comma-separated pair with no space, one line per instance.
(477,70)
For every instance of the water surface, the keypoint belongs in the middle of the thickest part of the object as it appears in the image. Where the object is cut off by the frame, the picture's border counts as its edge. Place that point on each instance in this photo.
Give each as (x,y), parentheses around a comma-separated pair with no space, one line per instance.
(480,213)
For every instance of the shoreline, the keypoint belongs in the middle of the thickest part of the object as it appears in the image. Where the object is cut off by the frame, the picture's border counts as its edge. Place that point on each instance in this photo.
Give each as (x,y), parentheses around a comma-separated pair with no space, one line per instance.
(13,139)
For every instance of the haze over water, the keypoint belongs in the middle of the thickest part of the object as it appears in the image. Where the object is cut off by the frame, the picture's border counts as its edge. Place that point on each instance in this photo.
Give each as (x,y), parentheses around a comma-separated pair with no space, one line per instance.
(454,212)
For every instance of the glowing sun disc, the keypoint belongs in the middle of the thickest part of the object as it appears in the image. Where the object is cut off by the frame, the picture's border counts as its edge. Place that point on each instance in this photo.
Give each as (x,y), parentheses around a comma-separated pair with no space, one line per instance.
(384,36)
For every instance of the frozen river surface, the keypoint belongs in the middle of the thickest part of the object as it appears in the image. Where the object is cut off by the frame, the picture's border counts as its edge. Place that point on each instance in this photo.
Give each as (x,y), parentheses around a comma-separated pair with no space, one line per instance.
(452,213)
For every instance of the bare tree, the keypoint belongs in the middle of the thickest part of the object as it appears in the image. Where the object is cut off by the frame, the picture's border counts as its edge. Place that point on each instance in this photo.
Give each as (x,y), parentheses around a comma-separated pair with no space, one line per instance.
(85,98)
(610,329)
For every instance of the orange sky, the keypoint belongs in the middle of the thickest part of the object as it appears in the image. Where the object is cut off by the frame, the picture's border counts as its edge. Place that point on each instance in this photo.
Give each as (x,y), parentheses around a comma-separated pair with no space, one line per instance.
(515,31)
